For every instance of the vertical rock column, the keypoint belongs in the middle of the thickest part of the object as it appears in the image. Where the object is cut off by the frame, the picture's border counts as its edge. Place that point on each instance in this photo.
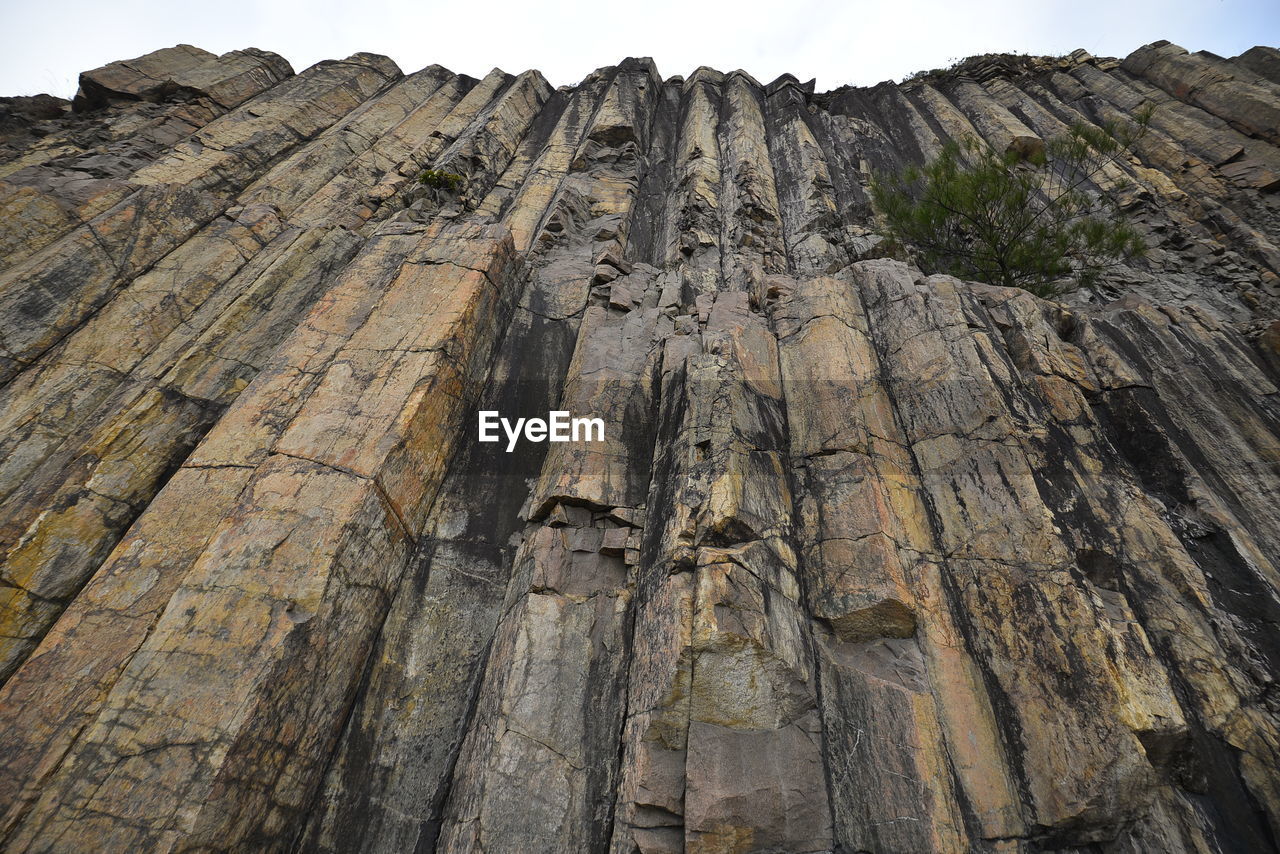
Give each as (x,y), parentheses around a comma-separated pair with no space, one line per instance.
(910,741)
(909,735)
(722,740)
(208,717)
(548,718)
(387,781)
(436,642)
(1005,567)
(1199,448)
(98,422)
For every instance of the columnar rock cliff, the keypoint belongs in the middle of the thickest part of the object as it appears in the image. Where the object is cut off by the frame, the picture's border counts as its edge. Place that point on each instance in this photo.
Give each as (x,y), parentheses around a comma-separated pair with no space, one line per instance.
(868,560)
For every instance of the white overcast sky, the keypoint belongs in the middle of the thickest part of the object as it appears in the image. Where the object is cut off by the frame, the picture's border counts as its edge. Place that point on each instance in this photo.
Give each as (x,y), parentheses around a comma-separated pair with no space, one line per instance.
(44,44)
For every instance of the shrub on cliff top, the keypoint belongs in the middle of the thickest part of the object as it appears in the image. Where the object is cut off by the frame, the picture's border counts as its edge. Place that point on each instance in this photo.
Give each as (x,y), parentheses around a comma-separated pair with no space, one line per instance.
(1034,220)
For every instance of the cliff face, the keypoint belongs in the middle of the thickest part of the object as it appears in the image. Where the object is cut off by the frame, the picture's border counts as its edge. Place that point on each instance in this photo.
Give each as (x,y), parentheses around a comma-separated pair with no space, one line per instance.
(868,560)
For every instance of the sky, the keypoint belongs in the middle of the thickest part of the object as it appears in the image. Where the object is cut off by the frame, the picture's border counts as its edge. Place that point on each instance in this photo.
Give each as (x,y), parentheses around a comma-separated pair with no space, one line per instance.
(44,45)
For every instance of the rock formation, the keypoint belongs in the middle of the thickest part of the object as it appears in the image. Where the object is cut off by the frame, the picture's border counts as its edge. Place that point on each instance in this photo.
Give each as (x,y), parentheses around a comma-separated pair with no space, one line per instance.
(869,560)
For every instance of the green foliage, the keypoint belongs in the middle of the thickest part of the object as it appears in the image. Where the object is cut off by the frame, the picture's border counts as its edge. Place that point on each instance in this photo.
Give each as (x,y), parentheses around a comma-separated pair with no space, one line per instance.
(440,180)
(1026,219)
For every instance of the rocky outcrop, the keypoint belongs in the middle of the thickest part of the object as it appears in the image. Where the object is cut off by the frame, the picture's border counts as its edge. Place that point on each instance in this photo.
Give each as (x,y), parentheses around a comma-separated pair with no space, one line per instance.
(868,559)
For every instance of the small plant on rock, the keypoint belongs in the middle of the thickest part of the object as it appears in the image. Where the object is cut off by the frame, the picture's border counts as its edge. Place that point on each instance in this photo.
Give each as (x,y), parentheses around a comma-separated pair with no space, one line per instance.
(438,179)
(1033,219)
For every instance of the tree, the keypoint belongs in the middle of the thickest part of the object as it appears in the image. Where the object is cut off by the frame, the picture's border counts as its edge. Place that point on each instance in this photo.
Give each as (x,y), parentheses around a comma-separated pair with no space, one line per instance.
(1037,221)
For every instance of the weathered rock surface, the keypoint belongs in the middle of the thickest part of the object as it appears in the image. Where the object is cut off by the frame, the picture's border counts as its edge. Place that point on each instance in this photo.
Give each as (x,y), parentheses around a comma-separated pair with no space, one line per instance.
(868,560)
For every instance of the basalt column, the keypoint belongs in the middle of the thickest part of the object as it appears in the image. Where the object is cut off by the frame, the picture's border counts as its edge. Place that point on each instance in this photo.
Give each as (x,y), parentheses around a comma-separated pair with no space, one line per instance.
(865,558)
